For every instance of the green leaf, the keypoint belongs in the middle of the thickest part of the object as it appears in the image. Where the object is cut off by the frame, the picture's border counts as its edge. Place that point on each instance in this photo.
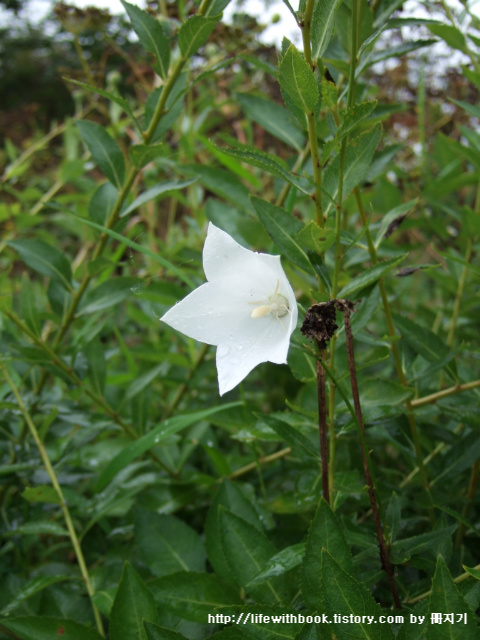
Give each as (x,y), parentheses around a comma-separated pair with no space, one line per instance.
(168,545)
(216,7)
(143,381)
(451,35)
(221,182)
(37,528)
(256,626)
(133,604)
(269,163)
(282,228)
(97,370)
(45,259)
(109,96)
(281,562)
(154,437)
(174,106)
(475,573)
(353,116)
(472,109)
(43,628)
(102,202)
(329,94)
(403,550)
(446,598)
(293,437)
(107,294)
(155,632)
(129,243)
(358,157)
(424,342)
(371,275)
(247,550)
(394,516)
(393,219)
(142,154)
(192,596)
(151,35)
(229,497)
(315,239)
(33,586)
(105,151)
(297,81)
(41,493)
(164,188)
(194,32)
(397,51)
(325,533)
(345,596)
(323,21)
(273,118)
(29,311)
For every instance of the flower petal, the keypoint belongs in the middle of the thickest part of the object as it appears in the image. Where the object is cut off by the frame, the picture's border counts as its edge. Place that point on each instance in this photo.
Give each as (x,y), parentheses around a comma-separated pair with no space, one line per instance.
(224,260)
(220,311)
(247,348)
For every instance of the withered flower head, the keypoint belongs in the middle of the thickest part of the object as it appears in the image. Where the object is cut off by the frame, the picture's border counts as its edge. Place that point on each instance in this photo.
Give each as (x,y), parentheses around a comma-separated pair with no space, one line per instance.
(319,323)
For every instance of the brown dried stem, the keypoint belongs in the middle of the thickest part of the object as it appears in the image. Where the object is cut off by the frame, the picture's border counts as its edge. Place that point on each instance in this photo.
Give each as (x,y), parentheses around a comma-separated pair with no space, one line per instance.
(322,428)
(345,306)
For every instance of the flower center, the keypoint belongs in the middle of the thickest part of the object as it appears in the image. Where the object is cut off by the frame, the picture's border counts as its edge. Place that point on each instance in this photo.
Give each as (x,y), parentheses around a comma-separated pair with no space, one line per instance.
(276,304)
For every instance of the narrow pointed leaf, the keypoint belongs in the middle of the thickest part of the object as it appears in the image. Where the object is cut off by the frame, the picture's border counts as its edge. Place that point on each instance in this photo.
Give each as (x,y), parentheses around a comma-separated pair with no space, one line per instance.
(151,35)
(446,598)
(192,596)
(323,21)
(105,151)
(45,259)
(154,437)
(194,33)
(282,227)
(43,628)
(371,275)
(344,595)
(297,81)
(132,605)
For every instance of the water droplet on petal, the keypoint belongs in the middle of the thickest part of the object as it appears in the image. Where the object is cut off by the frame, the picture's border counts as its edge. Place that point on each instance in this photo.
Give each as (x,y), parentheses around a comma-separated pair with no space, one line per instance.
(223,350)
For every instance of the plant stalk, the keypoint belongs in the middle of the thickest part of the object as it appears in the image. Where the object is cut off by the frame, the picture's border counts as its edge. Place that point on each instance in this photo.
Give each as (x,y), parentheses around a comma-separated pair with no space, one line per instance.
(384,556)
(63,505)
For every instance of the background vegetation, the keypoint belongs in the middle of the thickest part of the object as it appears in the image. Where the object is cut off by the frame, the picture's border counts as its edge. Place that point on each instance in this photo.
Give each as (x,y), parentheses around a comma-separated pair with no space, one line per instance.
(134,500)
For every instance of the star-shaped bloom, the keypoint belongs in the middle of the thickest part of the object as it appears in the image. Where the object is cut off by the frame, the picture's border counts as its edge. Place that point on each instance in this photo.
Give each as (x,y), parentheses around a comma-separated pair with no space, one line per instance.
(247,308)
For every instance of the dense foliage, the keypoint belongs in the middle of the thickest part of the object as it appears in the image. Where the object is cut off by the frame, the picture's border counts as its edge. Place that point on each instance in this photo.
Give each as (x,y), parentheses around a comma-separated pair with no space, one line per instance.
(136,502)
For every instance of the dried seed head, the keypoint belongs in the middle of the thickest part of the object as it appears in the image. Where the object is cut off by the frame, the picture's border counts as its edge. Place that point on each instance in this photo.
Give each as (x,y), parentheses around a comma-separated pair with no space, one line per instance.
(319,323)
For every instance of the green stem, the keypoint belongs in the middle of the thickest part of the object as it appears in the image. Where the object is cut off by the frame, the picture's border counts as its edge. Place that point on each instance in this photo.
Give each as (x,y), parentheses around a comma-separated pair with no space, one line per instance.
(458,579)
(63,505)
(351,410)
(312,124)
(459,294)
(337,248)
(184,386)
(472,485)
(433,397)
(396,355)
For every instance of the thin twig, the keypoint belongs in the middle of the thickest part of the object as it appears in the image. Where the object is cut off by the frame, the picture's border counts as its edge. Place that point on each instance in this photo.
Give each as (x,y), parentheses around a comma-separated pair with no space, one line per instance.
(63,505)
(384,556)
(322,429)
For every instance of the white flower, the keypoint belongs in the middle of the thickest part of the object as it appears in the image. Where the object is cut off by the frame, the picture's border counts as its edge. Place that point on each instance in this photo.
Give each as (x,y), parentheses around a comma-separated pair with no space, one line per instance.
(247,308)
